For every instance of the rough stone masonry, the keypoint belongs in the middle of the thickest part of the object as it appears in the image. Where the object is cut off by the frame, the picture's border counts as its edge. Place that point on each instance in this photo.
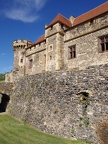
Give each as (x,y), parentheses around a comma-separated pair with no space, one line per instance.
(65,103)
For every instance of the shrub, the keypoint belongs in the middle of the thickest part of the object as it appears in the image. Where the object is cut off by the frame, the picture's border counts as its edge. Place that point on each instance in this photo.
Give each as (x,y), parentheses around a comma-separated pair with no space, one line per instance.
(2,77)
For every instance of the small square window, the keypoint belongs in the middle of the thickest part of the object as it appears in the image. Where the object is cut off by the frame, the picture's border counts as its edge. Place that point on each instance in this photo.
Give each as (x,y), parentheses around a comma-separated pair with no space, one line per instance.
(50,48)
(72,52)
(103,43)
(50,57)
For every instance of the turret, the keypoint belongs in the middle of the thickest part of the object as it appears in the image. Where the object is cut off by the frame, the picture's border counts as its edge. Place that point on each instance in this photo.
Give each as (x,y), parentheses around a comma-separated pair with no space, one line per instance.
(54,34)
(19,48)
(21,44)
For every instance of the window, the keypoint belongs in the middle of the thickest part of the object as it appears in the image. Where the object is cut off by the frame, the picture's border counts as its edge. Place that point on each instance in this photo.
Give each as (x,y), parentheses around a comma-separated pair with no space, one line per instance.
(103,41)
(72,52)
(21,60)
(50,57)
(30,63)
(50,47)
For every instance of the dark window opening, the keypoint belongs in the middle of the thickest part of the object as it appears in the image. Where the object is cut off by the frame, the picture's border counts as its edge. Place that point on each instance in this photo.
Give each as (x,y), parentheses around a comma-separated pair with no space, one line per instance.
(21,60)
(50,57)
(50,47)
(102,47)
(4,102)
(72,52)
(103,43)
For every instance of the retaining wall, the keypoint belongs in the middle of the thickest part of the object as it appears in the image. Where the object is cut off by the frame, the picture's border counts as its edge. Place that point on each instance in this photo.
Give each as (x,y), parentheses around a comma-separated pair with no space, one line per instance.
(66,103)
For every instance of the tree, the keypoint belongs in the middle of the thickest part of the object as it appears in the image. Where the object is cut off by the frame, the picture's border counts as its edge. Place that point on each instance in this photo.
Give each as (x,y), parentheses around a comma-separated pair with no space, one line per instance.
(2,77)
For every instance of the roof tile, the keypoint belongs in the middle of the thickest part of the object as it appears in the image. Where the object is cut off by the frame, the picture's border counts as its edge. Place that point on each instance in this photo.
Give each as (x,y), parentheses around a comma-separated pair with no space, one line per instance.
(91,14)
(42,38)
(60,18)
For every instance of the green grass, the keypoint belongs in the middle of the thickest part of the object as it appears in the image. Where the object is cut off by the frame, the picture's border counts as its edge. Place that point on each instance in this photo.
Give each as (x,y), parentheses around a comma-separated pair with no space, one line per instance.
(13,131)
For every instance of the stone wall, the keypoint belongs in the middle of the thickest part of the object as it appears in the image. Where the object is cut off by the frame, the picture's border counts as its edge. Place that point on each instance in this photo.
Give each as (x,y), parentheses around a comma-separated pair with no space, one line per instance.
(38,65)
(9,77)
(86,39)
(6,87)
(87,51)
(87,27)
(85,36)
(66,103)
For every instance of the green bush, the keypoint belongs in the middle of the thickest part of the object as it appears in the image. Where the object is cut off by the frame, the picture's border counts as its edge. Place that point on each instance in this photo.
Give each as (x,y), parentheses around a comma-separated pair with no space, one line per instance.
(2,77)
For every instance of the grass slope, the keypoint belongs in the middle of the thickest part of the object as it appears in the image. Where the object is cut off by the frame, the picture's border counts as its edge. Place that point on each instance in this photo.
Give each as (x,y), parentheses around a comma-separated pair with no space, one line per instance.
(13,131)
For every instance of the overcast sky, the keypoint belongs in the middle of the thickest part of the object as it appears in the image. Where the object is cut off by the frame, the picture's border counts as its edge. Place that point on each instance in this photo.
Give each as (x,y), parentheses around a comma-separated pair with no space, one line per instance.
(26,19)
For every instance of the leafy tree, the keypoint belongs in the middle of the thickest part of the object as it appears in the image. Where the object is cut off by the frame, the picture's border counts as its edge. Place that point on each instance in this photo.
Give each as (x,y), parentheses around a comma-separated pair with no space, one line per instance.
(2,77)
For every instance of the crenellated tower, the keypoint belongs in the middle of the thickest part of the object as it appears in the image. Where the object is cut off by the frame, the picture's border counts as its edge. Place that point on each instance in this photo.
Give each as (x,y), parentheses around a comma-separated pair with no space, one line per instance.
(19,48)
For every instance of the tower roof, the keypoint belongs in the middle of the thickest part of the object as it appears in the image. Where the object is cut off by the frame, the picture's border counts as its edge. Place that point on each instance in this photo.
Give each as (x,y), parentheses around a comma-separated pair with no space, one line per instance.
(60,18)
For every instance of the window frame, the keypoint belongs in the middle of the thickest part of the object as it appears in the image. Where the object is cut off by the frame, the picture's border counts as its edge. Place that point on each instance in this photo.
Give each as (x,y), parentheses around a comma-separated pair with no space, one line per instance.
(50,57)
(72,52)
(50,49)
(103,43)
(21,60)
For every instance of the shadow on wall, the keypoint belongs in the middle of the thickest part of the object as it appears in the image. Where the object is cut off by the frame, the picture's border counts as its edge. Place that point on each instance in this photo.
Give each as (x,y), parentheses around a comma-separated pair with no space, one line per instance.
(4,101)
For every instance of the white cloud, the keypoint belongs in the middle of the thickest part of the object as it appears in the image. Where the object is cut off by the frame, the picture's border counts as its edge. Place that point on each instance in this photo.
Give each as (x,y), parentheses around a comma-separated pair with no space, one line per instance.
(22,15)
(40,3)
(23,10)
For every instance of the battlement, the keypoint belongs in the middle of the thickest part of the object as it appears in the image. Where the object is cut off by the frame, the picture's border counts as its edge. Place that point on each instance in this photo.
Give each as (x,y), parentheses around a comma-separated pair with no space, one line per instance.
(21,43)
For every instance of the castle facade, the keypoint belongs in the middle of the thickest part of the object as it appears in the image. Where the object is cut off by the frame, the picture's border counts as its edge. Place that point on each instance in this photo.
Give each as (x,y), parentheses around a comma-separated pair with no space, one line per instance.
(70,44)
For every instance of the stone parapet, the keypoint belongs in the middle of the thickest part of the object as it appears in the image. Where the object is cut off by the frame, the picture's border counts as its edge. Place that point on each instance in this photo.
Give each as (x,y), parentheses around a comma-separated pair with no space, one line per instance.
(57,28)
(87,27)
(36,48)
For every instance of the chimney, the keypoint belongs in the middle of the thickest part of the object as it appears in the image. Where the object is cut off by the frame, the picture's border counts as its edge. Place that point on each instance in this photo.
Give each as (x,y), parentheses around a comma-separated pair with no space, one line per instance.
(72,18)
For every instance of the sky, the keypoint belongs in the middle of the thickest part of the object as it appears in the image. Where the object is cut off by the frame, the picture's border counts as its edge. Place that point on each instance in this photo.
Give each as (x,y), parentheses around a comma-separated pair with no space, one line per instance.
(26,19)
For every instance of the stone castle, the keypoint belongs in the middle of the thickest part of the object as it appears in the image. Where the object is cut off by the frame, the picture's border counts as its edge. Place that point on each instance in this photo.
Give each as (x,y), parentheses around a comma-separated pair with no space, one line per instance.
(66,92)
(67,44)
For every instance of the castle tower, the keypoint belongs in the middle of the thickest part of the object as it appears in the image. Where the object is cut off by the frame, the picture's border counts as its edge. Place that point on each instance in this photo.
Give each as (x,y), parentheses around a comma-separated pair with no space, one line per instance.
(54,34)
(19,55)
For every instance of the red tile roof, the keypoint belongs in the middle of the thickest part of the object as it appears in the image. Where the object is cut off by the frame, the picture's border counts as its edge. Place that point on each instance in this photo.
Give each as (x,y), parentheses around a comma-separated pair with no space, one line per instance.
(91,14)
(60,18)
(41,39)
(84,17)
